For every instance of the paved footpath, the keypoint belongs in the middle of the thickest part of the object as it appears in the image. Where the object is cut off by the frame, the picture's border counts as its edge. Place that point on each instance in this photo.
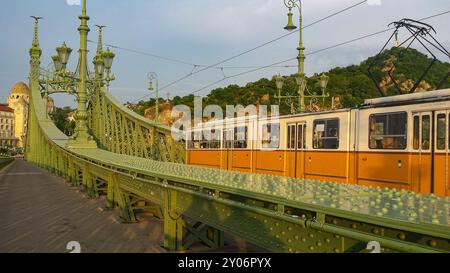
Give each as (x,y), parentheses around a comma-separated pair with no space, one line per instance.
(42,213)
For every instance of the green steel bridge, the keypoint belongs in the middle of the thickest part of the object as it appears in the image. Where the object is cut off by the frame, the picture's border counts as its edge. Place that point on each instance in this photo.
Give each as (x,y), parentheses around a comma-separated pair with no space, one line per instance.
(139,166)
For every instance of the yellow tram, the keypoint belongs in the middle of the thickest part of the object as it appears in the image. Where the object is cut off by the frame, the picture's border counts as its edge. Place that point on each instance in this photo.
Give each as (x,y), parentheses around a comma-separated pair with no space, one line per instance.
(400,142)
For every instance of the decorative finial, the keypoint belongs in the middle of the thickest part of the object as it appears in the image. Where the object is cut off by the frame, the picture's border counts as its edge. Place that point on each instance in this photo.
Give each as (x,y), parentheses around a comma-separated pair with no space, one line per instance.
(36,31)
(100,39)
(83,12)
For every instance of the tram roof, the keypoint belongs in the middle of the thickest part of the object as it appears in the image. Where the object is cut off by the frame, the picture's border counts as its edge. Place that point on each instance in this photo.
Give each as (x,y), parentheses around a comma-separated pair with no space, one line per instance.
(422,97)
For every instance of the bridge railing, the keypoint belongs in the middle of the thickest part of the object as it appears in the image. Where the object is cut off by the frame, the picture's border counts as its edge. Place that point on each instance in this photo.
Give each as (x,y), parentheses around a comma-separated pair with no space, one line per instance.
(279,214)
(199,204)
(120,130)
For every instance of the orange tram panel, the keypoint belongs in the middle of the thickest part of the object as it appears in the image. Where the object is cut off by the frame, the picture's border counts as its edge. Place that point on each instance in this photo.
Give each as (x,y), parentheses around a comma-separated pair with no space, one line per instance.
(398,142)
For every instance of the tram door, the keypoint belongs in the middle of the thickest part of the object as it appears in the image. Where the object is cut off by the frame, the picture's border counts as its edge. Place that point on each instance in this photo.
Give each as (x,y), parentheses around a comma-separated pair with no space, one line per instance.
(296,144)
(441,181)
(422,159)
(227,152)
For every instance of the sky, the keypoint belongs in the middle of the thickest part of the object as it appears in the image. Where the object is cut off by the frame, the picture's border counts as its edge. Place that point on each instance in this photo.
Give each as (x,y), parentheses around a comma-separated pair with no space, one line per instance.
(202,32)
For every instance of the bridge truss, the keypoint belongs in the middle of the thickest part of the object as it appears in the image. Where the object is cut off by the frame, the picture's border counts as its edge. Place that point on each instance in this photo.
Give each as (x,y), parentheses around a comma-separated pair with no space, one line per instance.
(137,168)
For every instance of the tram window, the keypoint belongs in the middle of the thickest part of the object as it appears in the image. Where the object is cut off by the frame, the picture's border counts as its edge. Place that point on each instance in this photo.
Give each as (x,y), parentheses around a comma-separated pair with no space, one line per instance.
(212,138)
(195,141)
(416,132)
(326,134)
(441,131)
(241,137)
(291,137)
(204,143)
(271,136)
(301,136)
(426,131)
(228,137)
(388,131)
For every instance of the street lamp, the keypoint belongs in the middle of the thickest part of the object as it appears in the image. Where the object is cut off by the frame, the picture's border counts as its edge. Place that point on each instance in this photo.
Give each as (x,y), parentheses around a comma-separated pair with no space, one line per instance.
(279,81)
(64,54)
(99,65)
(57,63)
(152,76)
(108,58)
(323,84)
(290,26)
(301,80)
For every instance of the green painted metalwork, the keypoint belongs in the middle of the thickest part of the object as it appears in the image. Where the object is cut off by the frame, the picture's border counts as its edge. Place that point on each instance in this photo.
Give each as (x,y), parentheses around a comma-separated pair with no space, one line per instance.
(118,129)
(301,76)
(199,204)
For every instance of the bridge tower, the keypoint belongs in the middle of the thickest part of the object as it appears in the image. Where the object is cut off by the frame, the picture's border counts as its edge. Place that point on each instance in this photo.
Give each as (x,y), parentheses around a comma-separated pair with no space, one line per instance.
(35,62)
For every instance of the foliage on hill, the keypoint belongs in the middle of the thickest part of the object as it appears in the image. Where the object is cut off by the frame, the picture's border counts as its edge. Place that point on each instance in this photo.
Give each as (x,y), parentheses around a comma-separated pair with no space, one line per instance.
(60,118)
(351,84)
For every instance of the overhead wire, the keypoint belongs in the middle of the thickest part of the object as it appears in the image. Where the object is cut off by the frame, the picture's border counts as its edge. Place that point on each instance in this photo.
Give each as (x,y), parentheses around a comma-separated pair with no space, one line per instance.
(312,53)
(278,64)
(252,49)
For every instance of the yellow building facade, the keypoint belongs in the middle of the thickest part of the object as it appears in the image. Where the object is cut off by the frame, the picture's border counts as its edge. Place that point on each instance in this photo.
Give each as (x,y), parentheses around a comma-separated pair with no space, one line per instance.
(18,100)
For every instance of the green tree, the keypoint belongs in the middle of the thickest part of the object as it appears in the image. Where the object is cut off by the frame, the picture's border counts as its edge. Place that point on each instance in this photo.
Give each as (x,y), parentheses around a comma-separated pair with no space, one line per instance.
(59,117)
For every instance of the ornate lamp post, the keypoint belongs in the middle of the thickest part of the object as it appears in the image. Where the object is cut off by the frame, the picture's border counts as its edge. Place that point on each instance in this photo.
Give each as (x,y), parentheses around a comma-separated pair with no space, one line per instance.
(81,138)
(98,62)
(152,76)
(81,83)
(301,77)
(301,80)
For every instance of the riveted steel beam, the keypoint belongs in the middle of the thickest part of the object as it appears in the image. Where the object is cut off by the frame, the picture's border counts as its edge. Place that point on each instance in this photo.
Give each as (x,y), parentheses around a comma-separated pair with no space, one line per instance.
(278,213)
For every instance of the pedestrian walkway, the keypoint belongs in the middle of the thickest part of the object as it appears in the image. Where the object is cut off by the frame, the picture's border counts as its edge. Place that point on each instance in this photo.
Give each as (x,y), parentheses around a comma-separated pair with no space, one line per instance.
(40,212)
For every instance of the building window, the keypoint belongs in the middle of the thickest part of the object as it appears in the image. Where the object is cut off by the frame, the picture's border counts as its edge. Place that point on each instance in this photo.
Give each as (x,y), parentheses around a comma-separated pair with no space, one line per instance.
(326,134)
(441,132)
(388,131)
(271,136)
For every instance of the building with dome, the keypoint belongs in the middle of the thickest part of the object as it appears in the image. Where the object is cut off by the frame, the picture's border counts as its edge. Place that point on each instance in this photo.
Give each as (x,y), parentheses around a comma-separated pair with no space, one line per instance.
(18,100)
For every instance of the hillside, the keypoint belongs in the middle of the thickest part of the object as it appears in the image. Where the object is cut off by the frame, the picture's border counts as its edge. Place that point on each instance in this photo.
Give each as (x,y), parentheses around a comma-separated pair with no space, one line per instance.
(351,84)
